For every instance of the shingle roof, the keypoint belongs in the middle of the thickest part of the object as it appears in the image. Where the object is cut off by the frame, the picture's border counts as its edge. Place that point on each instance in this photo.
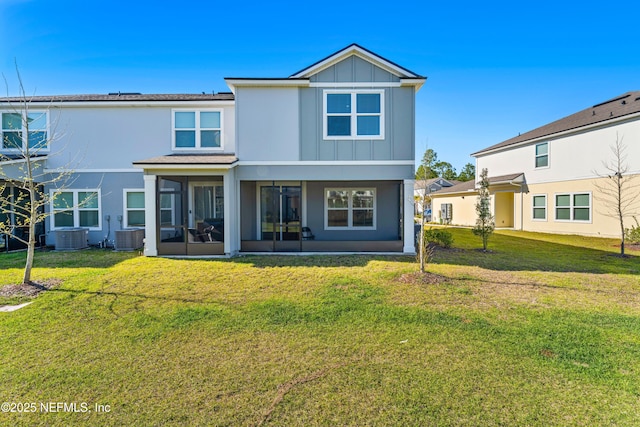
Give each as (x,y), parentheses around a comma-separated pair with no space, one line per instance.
(469,186)
(118,96)
(623,105)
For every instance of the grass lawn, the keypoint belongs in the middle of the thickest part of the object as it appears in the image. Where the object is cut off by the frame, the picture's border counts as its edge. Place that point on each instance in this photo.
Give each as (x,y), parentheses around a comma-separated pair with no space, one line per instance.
(544,330)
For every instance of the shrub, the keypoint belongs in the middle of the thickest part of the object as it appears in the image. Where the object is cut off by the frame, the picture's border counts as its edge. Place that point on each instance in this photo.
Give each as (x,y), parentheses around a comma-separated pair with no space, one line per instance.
(632,235)
(439,237)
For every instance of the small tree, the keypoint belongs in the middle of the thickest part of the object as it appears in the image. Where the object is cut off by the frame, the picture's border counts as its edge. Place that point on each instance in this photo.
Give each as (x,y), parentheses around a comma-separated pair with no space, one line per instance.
(620,191)
(484,223)
(22,195)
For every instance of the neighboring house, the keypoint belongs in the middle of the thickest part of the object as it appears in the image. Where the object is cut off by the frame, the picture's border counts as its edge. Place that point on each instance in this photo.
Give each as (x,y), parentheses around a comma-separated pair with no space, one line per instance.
(322,160)
(545,180)
(423,188)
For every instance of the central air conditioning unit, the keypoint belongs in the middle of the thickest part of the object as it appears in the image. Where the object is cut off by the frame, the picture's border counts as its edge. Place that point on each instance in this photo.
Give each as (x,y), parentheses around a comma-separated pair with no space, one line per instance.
(71,239)
(129,239)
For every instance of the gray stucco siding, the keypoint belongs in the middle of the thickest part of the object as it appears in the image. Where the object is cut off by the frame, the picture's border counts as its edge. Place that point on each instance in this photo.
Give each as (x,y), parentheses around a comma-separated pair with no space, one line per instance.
(111,187)
(399,133)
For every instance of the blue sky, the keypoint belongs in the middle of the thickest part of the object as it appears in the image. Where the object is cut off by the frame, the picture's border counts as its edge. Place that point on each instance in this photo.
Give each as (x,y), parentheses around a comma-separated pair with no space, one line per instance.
(494,68)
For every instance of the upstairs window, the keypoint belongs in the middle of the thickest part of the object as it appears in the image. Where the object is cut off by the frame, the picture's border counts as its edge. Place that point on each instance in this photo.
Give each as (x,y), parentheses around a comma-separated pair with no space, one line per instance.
(194,130)
(14,131)
(354,114)
(542,155)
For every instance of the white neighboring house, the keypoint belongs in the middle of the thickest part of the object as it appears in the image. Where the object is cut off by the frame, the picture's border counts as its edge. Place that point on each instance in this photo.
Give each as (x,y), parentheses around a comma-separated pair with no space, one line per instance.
(545,180)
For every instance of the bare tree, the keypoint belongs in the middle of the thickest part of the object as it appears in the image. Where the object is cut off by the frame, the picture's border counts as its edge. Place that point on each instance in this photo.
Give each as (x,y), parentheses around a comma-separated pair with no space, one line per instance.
(620,191)
(423,199)
(484,223)
(26,136)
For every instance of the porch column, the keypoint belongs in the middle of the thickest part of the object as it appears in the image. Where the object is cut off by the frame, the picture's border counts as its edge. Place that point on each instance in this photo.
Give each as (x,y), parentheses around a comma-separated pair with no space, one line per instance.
(150,232)
(231,214)
(408,236)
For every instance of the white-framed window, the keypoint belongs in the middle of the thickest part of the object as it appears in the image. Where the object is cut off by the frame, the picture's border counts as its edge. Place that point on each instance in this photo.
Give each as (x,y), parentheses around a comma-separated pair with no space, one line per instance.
(542,155)
(197,129)
(350,209)
(573,207)
(14,135)
(539,209)
(133,207)
(76,208)
(167,209)
(353,114)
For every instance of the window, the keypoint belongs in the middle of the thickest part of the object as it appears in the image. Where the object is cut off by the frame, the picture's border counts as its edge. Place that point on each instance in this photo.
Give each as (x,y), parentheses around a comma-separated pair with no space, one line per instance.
(167,209)
(134,208)
(76,208)
(350,208)
(542,155)
(14,131)
(354,114)
(573,207)
(197,129)
(540,207)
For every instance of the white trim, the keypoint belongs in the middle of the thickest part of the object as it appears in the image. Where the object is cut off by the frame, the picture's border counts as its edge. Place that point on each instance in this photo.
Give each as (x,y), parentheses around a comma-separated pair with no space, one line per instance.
(164,168)
(150,212)
(534,207)
(92,170)
(233,83)
(571,207)
(348,85)
(350,208)
(75,208)
(197,130)
(126,209)
(353,114)
(23,160)
(326,163)
(127,104)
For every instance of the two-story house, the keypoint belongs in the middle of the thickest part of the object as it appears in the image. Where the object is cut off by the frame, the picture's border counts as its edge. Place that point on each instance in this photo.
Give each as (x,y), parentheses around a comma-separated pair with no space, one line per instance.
(319,161)
(551,178)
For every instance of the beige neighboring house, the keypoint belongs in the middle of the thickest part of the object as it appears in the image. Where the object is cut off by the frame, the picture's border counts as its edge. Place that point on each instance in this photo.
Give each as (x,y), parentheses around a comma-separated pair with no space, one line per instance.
(426,187)
(545,180)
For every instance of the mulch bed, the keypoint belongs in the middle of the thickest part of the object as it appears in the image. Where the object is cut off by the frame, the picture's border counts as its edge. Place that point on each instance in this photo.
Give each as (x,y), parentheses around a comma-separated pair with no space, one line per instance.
(29,290)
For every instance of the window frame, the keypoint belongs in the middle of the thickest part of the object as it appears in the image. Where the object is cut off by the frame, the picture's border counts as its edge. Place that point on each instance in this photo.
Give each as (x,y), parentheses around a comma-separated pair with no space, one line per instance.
(126,208)
(537,156)
(75,208)
(534,207)
(197,129)
(353,114)
(349,209)
(572,207)
(24,135)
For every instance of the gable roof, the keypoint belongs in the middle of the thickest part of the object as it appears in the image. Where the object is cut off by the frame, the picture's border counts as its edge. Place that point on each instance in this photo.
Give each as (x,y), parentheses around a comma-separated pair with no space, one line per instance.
(302,77)
(613,109)
(355,49)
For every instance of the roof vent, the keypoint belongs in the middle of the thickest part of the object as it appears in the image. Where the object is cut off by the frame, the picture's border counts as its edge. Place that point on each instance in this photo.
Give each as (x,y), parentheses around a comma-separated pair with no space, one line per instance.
(594,113)
(611,114)
(118,93)
(624,102)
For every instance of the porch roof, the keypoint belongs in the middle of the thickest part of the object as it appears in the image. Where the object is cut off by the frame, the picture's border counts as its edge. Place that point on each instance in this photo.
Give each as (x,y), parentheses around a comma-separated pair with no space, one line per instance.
(470,186)
(188,160)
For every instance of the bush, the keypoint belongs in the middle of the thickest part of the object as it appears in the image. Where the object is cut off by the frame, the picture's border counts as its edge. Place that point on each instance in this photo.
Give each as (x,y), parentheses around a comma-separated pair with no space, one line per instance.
(439,237)
(632,235)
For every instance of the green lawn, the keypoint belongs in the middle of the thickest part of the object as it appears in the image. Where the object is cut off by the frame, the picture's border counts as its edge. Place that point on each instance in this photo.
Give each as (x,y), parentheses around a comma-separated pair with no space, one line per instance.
(544,330)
